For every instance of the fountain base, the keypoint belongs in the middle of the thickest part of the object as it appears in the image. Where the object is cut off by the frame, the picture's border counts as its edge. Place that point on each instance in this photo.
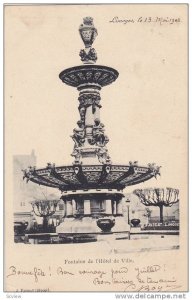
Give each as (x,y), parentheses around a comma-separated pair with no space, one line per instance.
(87,229)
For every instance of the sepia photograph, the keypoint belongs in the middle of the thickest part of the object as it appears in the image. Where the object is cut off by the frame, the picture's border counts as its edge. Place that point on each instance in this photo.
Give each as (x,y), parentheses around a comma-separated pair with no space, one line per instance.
(96,147)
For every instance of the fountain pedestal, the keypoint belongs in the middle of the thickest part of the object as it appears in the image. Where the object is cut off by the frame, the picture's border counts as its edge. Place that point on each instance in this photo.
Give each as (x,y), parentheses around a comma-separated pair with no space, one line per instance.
(93,213)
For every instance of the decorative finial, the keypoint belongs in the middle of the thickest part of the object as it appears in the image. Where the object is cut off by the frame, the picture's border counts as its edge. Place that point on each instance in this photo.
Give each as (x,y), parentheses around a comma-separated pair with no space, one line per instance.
(88,21)
(88,34)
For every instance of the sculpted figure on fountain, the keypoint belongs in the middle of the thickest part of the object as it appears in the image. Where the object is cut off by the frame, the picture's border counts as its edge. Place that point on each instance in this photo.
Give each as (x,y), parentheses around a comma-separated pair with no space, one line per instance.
(98,134)
(79,135)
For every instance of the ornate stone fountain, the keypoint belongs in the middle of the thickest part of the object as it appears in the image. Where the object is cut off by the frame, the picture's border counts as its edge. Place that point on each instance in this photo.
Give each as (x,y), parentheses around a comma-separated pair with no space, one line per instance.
(92,186)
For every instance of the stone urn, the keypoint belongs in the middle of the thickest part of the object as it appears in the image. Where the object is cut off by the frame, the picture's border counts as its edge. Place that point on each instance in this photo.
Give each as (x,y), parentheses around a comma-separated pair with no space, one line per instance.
(105,224)
(135,222)
(88,32)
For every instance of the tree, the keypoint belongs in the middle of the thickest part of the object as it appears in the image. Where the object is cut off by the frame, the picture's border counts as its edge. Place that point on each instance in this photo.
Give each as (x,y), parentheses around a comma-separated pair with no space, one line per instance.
(158,197)
(44,209)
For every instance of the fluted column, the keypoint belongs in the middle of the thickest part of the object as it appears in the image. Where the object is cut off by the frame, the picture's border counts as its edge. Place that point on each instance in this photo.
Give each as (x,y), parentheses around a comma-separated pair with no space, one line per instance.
(119,207)
(114,207)
(108,207)
(89,118)
(87,207)
(69,208)
(74,206)
(65,208)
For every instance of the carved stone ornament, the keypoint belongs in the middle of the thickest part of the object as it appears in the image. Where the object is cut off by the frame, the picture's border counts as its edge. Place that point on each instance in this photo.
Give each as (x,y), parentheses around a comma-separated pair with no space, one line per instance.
(79,135)
(88,32)
(90,56)
(98,134)
(89,99)
(103,156)
(96,75)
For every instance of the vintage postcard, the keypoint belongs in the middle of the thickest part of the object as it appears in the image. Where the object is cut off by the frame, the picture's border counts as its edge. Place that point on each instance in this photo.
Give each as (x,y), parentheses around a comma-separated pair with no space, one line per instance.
(96,148)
